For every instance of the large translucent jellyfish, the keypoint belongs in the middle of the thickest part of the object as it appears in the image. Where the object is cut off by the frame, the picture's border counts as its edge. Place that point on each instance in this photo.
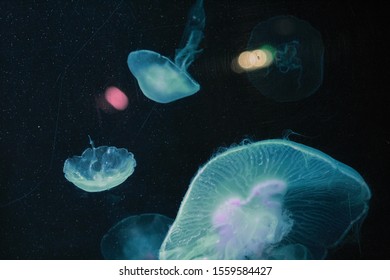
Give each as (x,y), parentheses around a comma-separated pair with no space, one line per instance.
(274,199)
(294,52)
(163,80)
(99,169)
(135,238)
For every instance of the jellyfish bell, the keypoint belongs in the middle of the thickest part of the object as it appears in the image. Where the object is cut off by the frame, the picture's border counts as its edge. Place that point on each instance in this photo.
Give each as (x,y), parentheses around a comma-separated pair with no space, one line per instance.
(99,169)
(159,78)
(136,237)
(273,199)
(163,80)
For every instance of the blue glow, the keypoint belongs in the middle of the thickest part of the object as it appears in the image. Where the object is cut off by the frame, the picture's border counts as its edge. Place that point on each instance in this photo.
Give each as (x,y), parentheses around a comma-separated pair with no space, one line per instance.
(273,199)
(99,169)
(165,81)
(296,70)
(135,238)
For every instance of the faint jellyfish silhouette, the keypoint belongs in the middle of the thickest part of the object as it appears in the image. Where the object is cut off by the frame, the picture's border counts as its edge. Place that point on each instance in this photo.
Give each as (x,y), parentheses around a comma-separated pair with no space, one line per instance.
(165,81)
(99,169)
(295,50)
(135,238)
(274,199)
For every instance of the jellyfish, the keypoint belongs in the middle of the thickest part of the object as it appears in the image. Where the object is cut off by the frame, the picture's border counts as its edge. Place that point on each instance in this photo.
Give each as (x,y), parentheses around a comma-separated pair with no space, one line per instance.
(135,238)
(163,80)
(273,199)
(295,58)
(99,169)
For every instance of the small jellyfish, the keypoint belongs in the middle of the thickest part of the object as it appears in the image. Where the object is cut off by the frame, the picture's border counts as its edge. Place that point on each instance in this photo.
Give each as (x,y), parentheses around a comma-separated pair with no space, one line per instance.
(273,199)
(99,169)
(135,238)
(295,58)
(163,80)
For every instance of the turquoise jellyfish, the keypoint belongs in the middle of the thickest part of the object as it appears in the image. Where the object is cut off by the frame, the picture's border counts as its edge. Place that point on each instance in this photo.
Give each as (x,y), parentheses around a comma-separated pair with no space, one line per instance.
(294,53)
(135,238)
(159,78)
(273,199)
(99,169)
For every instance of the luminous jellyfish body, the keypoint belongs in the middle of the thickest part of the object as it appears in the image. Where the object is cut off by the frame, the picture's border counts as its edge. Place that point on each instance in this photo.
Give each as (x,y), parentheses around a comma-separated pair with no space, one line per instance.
(99,169)
(135,238)
(274,199)
(295,70)
(163,80)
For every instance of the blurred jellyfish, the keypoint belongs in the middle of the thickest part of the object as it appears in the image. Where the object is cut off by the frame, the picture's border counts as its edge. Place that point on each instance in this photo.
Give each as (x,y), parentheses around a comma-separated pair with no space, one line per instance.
(99,169)
(165,81)
(294,51)
(273,199)
(135,238)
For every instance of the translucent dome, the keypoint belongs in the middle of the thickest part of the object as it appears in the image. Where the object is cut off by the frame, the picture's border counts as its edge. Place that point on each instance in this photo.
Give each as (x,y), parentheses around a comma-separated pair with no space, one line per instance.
(273,199)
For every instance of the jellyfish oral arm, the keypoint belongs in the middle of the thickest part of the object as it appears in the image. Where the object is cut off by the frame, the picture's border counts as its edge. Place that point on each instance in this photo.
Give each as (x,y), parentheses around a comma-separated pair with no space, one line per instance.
(249,225)
(286,57)
(196,22)
(193,35)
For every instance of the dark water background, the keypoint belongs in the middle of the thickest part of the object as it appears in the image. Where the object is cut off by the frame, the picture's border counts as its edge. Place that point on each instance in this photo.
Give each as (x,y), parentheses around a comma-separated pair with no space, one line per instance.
(57,57)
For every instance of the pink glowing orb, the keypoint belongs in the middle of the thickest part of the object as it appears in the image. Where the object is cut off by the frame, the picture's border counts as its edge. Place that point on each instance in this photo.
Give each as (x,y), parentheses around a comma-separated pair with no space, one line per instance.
(116,98)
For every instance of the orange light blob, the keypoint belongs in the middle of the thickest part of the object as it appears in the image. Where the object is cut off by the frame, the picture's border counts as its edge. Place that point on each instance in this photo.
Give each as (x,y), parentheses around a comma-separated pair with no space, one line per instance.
(246,60)
(261,58)
(252,60)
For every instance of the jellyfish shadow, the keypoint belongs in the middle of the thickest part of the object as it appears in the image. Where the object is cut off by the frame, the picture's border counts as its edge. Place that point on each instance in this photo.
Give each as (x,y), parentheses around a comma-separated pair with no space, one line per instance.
(296,51)
(99,169)
(159,78)
(274,199)
(135,238)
